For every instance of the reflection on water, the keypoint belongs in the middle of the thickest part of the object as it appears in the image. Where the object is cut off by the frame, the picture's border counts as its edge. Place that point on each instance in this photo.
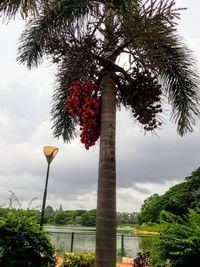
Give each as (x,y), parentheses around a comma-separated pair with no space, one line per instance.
(131,244)
(84,240)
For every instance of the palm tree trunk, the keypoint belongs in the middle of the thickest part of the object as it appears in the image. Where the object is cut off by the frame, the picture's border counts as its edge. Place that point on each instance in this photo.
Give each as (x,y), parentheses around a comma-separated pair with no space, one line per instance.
(106,198)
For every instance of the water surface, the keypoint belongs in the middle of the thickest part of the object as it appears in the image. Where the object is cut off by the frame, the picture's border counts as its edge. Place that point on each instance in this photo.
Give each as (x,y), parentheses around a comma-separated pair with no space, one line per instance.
(83,239)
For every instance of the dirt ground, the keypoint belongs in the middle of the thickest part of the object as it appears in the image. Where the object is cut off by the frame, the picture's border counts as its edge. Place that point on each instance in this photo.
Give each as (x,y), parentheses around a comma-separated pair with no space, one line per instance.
(124,264)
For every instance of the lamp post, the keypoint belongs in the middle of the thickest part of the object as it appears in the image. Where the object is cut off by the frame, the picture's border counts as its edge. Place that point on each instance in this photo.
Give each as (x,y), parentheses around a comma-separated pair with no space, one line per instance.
(50,152)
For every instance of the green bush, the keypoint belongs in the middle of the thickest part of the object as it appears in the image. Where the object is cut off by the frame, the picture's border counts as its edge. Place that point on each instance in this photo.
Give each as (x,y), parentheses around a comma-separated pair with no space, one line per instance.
(179,240)
(22,243)
(75,260)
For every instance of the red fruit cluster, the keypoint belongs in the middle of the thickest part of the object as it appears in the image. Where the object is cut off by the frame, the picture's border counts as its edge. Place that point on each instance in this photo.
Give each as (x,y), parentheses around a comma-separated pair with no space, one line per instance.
(83,101)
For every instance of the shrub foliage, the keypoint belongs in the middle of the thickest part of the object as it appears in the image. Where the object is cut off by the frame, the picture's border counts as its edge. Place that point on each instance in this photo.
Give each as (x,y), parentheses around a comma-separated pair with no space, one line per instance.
(79,259)
(22,243)
(179,241)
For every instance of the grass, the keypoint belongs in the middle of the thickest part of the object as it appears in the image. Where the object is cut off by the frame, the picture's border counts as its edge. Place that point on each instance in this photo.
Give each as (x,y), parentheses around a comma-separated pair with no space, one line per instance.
(147,229)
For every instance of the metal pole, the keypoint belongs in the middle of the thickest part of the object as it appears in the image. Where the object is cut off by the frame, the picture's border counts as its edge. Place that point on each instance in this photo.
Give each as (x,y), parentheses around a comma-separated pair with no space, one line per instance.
(44,197)
(72,242)
(122,245)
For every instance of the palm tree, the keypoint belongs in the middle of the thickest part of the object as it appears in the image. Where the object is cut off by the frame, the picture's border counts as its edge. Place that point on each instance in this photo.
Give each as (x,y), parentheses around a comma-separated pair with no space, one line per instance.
(85,39)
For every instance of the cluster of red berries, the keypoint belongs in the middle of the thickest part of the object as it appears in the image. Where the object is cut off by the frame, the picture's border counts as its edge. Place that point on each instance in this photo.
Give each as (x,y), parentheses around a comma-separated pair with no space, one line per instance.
(83,101)
(144,98)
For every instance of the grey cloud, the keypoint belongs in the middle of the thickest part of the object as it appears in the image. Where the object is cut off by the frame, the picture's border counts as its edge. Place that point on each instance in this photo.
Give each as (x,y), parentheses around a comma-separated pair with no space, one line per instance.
(149,158)
(142,190)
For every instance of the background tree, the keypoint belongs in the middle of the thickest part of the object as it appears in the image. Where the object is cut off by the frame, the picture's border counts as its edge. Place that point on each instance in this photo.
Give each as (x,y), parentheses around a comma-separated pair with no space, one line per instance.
(89,218)
(61,217)
(177,200)
(150,210)
(85,38)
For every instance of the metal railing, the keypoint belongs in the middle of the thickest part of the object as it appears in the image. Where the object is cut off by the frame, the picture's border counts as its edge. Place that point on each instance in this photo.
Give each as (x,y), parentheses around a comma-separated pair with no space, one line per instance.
(127,245)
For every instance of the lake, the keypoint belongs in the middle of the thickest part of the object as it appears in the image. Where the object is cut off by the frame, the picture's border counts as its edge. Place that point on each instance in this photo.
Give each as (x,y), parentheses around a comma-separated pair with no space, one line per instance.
(79,239)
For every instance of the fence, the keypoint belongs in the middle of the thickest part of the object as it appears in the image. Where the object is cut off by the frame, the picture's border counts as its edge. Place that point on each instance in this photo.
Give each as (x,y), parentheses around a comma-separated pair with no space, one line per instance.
(127,245)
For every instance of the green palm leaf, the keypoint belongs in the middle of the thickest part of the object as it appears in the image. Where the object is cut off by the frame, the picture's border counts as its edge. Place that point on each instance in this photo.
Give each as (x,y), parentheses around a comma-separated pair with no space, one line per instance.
(156,45)
(11,7)
(60,18)
(181,84)
(173,62)
(64,125)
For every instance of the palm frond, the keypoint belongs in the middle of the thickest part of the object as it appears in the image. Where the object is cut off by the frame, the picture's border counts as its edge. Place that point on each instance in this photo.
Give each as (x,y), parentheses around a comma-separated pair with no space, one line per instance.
(9,8)
(157,47)
(77,63)
(126,5)
(72,10)
(53,34)
(169,58)
(34,40)
(33,44)
(64,125)
(182,85)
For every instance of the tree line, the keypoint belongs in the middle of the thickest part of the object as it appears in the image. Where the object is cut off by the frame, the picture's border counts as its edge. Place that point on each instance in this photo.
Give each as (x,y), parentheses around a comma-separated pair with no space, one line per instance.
(73,217)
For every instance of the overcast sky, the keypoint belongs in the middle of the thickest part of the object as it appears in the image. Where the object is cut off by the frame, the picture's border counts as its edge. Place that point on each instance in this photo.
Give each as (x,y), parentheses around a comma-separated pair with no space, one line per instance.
(146,164)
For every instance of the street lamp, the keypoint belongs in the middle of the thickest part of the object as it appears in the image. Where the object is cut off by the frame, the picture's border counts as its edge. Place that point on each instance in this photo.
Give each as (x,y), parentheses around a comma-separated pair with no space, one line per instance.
(50,152)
